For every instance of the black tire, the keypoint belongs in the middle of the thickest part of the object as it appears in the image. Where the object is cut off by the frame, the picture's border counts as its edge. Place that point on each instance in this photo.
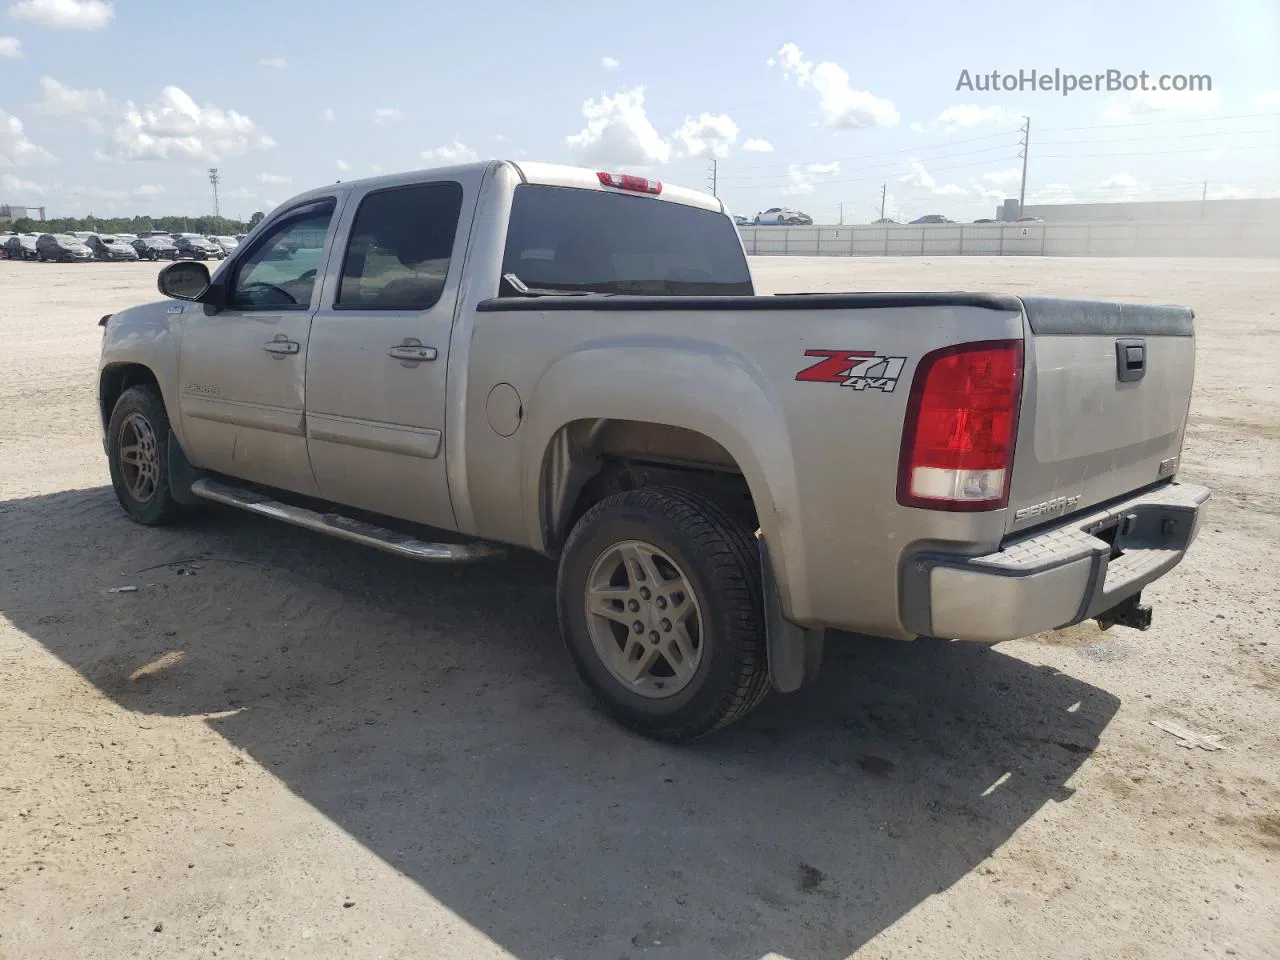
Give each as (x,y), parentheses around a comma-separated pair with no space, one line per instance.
(720,560)
(159,508)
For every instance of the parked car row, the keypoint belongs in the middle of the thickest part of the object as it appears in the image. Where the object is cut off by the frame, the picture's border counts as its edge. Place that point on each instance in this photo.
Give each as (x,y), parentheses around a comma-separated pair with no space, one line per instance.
(81,245)
(776,217)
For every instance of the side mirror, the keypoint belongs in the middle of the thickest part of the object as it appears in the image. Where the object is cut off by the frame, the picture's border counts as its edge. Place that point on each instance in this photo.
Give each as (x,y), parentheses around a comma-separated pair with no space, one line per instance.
(184,280)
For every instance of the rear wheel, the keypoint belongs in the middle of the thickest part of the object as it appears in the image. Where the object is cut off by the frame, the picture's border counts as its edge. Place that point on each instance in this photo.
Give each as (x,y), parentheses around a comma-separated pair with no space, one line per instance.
(660,606)
(137,447)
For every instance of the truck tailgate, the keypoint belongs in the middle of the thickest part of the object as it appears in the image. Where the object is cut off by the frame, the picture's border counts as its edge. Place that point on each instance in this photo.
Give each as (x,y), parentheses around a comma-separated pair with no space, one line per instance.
(1106,392)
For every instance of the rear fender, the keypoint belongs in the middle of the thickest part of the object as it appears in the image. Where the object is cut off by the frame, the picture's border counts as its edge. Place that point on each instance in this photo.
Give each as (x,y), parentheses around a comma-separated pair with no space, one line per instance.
(678,382)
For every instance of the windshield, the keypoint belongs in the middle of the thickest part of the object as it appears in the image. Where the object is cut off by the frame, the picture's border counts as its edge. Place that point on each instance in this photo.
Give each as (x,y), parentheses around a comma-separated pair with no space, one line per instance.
(562,238)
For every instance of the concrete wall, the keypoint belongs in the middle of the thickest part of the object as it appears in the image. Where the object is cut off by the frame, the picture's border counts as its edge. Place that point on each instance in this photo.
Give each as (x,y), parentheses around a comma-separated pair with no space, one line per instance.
(1169,239)
(1158,211)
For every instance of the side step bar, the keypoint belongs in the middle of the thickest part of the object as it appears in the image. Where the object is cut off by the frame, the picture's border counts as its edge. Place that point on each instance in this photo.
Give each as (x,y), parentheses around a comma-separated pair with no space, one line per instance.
(335,525)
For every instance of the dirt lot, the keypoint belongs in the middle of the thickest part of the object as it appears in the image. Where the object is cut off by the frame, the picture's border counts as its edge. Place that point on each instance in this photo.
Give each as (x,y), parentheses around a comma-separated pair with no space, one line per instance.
(282,746)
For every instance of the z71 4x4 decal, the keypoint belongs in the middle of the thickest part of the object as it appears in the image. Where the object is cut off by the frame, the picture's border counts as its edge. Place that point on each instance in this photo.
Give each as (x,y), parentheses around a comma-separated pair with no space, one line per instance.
(859,369)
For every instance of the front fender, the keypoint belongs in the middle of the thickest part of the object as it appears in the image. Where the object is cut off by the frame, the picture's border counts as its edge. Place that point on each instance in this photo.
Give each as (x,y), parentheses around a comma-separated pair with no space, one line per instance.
(678,382)
(148,336)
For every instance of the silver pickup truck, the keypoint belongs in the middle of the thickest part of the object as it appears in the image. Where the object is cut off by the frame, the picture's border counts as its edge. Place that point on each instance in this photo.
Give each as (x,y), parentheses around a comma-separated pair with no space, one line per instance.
(448,363)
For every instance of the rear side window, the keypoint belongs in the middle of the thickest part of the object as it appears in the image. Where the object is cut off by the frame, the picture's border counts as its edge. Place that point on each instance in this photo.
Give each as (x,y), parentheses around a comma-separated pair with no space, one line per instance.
(400,247)
(561,238)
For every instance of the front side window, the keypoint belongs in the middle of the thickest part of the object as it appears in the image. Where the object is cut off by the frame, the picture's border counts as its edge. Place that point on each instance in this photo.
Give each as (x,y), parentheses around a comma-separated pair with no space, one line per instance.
(400,247)
(281,270)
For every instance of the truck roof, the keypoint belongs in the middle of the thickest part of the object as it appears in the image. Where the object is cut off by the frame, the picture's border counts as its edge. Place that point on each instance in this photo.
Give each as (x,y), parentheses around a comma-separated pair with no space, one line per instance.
(549,174)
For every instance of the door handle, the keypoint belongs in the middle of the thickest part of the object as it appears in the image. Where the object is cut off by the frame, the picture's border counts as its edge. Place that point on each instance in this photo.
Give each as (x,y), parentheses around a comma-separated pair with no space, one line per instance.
(281,346)
(412,351)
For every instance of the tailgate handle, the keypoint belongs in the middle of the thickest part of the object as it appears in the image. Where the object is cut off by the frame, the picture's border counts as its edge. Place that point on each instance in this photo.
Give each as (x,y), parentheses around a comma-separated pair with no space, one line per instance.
(1131,360)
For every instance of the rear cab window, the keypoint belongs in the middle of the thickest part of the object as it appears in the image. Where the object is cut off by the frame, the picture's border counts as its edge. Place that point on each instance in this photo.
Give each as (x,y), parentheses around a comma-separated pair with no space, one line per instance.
(569,239)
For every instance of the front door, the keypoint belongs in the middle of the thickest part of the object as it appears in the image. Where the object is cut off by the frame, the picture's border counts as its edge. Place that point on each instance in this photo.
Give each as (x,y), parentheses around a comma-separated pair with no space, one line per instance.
(243,367)
(377,356)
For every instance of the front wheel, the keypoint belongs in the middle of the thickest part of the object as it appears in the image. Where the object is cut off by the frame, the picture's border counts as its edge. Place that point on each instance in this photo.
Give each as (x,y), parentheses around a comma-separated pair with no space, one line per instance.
(660,606)
(137,447)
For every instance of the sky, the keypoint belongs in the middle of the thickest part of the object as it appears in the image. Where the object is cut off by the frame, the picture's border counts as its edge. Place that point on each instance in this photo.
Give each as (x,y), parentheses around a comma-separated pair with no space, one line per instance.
(119,108)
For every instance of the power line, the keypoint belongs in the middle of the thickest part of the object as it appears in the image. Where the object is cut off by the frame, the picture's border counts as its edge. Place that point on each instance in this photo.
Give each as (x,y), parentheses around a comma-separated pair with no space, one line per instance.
(1003,148)
(1148,137)
(1143,153)
(1156,123)
(921,148)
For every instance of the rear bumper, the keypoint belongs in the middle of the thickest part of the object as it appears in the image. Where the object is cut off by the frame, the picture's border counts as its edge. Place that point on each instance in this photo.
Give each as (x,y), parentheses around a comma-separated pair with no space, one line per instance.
(1057,576)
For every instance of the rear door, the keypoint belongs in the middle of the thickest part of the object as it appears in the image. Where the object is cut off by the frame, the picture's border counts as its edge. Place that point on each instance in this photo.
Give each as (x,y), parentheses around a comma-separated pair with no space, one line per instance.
(1104,406)
(377,358)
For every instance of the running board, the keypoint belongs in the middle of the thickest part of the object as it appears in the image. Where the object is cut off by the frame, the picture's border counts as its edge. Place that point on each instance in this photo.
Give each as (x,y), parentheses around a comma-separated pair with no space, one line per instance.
(335,525)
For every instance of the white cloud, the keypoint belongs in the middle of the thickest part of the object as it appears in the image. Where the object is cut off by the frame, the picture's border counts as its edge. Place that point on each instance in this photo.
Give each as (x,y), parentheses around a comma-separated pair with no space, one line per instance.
(456,152)
(327,114)
(274,179)
(13,185)
(64,14)
(384,116)
(15,149)
(10,48)
(1146,102)
(919,178)
(1227,191)
(376,168)
(971,115)
(841,107)
(86,105)
(618,131)
(275,63)
(1003,178)
(917,127)
(148,190)
(175,127)
(756,145)
(610,63)
(709,133)
(802,177)
(1269,99)
(344,166)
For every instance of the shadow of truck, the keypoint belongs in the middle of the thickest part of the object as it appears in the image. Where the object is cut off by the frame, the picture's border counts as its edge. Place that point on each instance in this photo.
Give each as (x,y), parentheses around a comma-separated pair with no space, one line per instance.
(431,714)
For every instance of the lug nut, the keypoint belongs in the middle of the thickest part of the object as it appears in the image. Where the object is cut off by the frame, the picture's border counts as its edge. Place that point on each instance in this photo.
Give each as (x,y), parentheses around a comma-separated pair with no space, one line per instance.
(644,593)
(638,627)
(662,603)
(633,605)
(653,636)
(666,625)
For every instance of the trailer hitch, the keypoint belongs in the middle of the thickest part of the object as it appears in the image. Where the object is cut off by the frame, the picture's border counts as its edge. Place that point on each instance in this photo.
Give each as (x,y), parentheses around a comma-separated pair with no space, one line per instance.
(1130,612)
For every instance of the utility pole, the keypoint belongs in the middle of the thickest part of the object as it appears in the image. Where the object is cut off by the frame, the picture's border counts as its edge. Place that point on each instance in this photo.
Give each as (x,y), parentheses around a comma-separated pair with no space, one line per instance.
(711,176)
(1204,195)
(214,179)
(842,214)
(1026,149)
(883,189)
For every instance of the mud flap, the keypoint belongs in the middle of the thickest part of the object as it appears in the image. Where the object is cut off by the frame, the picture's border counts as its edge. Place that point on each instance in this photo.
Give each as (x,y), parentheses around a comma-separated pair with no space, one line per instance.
(181,474)
(795,653)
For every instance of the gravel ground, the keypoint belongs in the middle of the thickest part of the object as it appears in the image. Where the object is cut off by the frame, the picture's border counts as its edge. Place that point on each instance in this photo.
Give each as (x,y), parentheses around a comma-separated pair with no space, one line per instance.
(283,746)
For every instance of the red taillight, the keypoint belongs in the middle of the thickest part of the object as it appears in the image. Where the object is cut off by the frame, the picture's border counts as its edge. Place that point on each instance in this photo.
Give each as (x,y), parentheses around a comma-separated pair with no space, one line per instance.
(962,417)
(627,181)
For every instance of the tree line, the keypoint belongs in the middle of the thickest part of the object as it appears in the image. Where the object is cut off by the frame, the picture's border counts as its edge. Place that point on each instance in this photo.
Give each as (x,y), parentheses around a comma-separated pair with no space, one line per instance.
(206,226)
